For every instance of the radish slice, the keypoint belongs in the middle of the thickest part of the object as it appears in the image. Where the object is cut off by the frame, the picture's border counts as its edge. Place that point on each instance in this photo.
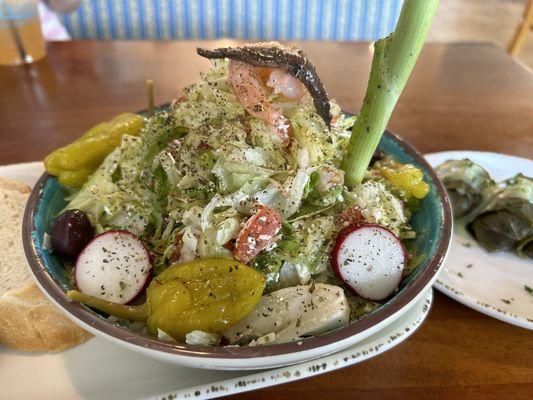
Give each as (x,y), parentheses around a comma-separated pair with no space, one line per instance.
(114,266)
(370,259)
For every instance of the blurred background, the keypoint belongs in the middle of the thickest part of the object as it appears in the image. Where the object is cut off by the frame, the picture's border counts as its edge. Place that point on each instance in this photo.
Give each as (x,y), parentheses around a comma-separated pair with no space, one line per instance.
(507,23)
(496,21)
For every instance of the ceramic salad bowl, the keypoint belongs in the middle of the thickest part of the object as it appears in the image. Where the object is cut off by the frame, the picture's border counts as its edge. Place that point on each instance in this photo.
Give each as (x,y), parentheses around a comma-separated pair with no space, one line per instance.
(432,222)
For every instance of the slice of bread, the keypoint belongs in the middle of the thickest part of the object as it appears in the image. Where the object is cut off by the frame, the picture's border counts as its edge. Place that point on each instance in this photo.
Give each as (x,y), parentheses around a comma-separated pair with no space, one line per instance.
(8,184)
(27,320)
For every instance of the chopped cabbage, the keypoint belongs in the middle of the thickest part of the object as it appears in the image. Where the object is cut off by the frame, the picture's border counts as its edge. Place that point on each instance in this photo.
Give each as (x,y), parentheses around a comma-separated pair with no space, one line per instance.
(189,183)
(112,197)
(379,205)
(285,198)
(315,235)
(233,175)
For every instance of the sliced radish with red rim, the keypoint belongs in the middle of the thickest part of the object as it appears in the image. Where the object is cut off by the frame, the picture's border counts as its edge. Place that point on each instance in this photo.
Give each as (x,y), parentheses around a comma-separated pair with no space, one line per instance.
(114,266)
(370,259)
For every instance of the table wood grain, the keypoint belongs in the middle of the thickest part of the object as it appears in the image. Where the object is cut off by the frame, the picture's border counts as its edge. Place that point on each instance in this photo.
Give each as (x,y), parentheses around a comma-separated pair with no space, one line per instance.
(461,96)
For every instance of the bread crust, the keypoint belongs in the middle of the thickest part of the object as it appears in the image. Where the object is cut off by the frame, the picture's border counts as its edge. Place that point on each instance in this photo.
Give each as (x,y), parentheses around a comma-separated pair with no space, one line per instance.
(29,322)
(9,184)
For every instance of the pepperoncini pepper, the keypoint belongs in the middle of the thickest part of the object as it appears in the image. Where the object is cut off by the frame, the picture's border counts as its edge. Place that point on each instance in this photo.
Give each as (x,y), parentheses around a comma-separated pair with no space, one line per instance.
(405,177)
(75,162)
(208,295)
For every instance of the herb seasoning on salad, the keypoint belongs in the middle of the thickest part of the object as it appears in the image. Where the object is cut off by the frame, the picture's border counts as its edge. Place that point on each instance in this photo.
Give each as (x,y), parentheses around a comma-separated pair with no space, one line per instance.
(227,218)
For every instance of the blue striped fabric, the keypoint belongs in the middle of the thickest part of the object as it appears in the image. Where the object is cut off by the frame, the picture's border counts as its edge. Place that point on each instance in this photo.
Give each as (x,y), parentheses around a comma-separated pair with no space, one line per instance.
(241,19)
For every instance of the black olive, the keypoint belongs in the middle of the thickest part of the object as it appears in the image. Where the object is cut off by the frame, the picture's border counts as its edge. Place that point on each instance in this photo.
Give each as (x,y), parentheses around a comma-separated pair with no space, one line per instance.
(71,231)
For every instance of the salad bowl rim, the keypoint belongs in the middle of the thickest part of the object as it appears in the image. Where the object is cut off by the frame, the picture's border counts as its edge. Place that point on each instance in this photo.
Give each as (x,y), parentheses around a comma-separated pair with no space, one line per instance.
(90,319)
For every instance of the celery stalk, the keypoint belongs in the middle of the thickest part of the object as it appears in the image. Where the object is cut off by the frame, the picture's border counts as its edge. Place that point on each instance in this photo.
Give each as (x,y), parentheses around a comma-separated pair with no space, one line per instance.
(393,61)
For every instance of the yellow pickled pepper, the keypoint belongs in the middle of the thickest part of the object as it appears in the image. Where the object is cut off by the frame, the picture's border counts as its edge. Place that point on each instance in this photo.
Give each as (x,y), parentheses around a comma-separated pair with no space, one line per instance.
(406,177)
(74,163)
(207,294)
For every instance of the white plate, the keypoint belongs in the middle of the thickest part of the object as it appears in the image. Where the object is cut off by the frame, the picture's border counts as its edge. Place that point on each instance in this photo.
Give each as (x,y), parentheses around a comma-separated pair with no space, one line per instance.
(102,370)
(492,283)
(30,172)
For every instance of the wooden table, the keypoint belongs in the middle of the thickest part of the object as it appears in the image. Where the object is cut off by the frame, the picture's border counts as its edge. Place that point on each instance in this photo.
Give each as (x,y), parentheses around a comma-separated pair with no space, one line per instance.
(461,96)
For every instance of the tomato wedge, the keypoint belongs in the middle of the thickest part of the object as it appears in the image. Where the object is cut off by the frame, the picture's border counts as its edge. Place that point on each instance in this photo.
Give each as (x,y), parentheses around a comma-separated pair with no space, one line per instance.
(257,233)
(351,216)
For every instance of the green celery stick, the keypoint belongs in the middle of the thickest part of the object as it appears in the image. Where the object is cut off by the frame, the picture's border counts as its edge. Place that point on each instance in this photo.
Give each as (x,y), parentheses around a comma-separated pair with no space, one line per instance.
(394,59)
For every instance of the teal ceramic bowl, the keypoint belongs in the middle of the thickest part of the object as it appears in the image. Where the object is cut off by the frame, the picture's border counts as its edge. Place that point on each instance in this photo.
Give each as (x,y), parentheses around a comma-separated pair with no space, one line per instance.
(432,222)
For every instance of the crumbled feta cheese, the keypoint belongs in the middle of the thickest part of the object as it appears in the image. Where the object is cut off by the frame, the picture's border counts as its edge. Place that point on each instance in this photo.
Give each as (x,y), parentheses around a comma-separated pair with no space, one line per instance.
(190,243)
(162,335)
(268,338)
(202,338)
(294,273)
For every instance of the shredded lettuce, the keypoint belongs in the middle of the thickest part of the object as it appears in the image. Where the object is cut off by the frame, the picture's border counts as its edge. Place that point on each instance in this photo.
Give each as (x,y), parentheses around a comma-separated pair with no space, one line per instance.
(285,197)
(159,131)
(233,175)
(190,182)
(378,205)
(313,137)
(315,235)
(114,199)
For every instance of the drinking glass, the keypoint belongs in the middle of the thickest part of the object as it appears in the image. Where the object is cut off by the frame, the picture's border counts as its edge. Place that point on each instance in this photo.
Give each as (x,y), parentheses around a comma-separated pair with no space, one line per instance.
(21,39)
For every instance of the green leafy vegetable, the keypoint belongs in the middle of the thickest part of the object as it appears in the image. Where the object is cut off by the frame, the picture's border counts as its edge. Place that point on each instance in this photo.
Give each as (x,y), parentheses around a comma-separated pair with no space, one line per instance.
(269,264)
(308,210)
(467,184)
(506,222)
(360,307)
(525,247)
(115,199)
(233,175)
(159,131)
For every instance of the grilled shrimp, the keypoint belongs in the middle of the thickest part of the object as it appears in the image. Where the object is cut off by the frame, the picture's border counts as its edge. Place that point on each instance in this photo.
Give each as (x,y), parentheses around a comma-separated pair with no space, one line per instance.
(290,60)
(251,90)
(286,84)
